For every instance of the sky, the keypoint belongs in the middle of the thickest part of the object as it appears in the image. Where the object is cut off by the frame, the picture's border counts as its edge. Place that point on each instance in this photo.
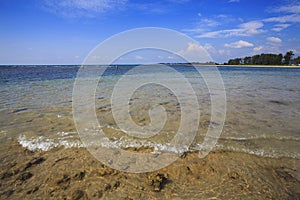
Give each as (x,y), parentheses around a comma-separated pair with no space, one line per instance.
(65,31)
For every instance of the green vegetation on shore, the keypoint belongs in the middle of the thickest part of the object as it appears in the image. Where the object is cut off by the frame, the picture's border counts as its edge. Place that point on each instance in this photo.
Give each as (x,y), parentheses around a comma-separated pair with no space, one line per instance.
(266,59)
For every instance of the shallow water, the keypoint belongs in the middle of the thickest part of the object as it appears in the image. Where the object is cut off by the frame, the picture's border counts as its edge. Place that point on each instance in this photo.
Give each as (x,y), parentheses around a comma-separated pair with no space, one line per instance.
(263,108)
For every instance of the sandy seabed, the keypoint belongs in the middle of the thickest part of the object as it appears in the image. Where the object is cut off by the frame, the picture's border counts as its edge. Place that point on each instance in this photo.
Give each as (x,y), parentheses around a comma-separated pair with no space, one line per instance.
(75,174)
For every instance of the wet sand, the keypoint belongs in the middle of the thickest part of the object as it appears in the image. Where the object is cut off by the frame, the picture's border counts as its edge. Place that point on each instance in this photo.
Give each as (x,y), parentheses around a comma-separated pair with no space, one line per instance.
(75,174)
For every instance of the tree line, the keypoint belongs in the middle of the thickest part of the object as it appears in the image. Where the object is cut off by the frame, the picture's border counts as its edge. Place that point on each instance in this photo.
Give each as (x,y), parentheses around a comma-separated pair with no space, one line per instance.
(266,59)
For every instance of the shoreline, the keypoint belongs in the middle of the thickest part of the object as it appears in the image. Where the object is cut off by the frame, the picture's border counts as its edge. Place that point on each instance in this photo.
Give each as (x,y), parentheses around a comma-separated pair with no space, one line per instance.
(171,64)
(254,66)
(75,174)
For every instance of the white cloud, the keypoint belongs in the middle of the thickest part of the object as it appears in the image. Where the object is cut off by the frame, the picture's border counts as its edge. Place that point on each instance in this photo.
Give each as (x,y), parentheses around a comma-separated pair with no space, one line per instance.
(259,48)
(252,27)
(209,22)
(288,9)
(211,49)
(233,1)
(274,39)
(195,53)
(284,19)
(280,27)
(216,53)
(269,48)
(239,44)
(82,8)
(289,13)
(244,29)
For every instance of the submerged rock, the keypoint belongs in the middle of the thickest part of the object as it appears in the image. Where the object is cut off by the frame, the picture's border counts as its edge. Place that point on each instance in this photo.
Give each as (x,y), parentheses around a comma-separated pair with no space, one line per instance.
(34,161)
(65,179)
(33,190)
(78,194)
(25,176)
(98,194)
(107,186)
(6,175)
(157,181)
(285,174)
(80,175)
(233,175)
(117,184)
(8,193)
(20,110)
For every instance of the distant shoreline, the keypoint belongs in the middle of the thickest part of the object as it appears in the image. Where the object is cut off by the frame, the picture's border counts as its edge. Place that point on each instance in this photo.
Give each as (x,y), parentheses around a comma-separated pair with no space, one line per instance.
(254,66)
(266,66)
(175,64)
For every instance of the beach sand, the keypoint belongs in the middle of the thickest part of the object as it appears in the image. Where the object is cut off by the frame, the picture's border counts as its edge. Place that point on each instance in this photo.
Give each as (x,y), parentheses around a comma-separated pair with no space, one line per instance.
(75,174)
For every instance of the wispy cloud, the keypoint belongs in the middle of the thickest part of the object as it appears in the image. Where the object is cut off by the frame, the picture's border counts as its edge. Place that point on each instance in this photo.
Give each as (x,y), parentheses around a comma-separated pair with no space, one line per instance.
(214,52)
(273,45)
(280,27)
(294,18)
(244,29)
(239,44)
(267,48)
(82,8)
(274,39)
(287,9)
(205,24)
(209,22)
(257,49)
(150,7)
(287,14)
(233,1)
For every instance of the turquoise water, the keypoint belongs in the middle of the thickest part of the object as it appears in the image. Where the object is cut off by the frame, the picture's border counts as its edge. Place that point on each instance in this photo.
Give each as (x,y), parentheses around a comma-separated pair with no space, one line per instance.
(263,108)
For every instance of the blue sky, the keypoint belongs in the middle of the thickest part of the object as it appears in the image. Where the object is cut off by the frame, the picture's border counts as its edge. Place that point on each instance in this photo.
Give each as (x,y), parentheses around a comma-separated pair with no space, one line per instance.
(65,31)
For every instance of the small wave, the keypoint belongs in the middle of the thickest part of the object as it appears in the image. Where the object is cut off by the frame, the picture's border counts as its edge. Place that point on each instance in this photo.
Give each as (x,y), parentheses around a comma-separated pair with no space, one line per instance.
(259,152)
(264,137)
(71,140)
(158,147)
(42,143)
(68,134)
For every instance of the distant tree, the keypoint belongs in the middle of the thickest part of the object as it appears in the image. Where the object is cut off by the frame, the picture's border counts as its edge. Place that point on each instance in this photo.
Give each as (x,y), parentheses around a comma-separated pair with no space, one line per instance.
(266,59)
(297,60)
(236,61)
(231,62)
(279,59)
(247,60)
(270,59)
(288,57)
(255,60)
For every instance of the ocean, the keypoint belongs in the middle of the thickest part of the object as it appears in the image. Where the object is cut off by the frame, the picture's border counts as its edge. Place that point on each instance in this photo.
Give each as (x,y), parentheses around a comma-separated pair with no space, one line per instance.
(262,108)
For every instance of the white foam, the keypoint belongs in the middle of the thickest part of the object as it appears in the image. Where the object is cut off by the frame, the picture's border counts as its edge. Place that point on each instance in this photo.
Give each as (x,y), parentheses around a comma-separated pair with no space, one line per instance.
(265,137)
(71,140)
(259,152)
(131,143)
(42,143)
